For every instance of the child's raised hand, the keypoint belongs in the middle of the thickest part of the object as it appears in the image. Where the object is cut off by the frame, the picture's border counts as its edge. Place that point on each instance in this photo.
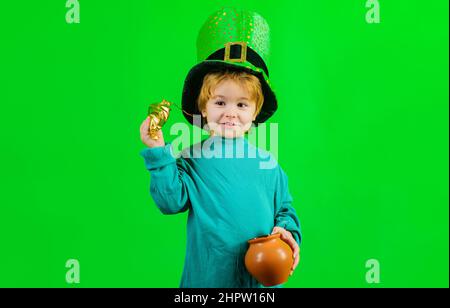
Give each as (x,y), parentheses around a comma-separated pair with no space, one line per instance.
(289,239)
(145,136)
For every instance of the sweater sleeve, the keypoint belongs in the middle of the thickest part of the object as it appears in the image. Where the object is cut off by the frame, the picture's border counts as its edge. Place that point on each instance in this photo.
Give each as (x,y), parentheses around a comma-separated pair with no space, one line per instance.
(285,214)
(168,179)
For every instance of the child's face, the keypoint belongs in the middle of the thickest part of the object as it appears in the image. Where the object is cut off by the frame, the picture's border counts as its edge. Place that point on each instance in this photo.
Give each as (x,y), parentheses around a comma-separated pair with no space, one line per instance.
(230,112)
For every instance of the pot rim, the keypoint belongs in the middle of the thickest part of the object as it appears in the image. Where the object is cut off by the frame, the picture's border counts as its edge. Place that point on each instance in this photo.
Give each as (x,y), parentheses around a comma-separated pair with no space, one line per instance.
(263,238)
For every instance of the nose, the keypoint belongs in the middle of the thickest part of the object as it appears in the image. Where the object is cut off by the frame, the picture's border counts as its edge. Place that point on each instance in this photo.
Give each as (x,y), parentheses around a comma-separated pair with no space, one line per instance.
(230,112)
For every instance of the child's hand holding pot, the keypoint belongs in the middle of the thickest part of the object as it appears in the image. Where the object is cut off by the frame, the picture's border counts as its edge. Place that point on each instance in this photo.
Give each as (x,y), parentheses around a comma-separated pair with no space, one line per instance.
(288,238)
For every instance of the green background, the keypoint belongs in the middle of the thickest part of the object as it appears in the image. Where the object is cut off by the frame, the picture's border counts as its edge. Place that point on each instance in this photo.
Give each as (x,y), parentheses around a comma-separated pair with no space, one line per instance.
(363,124)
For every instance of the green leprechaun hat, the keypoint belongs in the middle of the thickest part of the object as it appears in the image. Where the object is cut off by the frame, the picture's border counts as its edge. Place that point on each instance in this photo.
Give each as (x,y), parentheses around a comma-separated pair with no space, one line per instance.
(231,39)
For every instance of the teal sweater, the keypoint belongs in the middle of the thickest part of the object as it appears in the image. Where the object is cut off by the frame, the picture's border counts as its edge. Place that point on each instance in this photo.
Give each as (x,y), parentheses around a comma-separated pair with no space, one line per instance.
(233,192)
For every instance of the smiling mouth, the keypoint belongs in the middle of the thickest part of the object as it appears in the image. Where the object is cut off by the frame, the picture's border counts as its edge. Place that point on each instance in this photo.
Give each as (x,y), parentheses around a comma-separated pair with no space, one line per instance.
(229,124)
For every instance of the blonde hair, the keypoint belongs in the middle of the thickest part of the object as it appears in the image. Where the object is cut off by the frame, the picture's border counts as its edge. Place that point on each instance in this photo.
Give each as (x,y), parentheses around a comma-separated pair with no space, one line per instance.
(248,81)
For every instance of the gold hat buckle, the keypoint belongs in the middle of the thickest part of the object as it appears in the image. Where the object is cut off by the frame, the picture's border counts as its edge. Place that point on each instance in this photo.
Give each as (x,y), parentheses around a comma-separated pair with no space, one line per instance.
(243,57)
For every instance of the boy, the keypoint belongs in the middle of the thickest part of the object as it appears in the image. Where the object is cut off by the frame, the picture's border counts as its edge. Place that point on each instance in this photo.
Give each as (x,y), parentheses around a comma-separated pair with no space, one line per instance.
(230,199)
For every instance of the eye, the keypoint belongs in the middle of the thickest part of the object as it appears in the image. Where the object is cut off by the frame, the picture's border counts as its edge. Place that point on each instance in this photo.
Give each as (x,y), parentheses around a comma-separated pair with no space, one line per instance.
(220,103)
(242,105)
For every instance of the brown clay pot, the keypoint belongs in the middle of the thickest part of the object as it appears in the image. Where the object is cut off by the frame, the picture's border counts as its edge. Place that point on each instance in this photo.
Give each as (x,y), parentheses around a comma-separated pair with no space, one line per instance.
(269,259)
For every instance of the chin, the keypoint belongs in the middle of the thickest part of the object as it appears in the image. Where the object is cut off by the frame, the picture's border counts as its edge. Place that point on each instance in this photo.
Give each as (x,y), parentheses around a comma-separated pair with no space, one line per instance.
(230,134)
(233,135)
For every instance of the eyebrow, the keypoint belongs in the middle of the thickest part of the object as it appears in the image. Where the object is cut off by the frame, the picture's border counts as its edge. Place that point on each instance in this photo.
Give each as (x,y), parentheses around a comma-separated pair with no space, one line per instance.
(221,96)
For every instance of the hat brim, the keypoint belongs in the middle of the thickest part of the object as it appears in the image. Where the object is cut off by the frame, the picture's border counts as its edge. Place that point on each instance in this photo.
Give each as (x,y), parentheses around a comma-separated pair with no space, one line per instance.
(194,81)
